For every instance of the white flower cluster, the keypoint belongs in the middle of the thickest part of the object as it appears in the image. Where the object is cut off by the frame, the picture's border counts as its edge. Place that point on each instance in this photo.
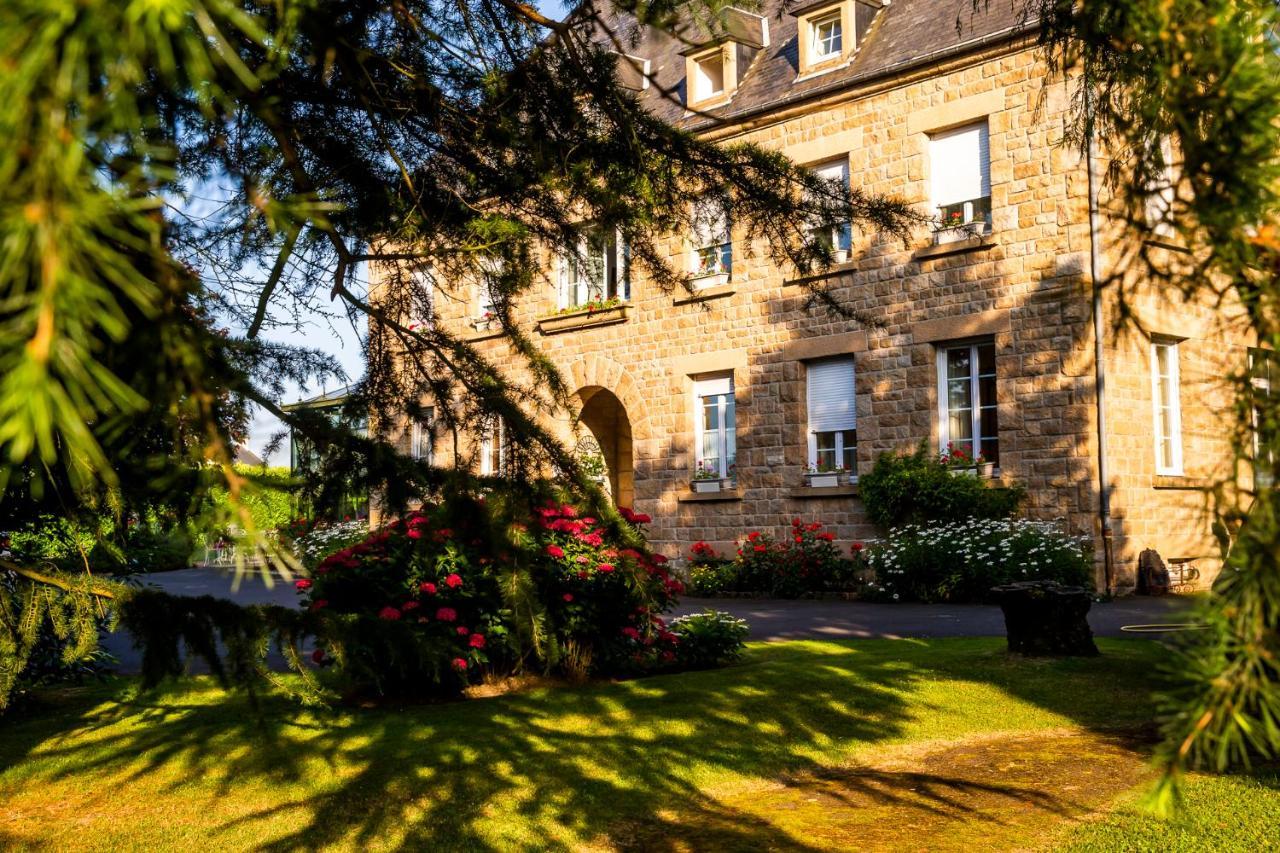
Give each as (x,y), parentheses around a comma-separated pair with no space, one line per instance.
(1021,547)
(322,541)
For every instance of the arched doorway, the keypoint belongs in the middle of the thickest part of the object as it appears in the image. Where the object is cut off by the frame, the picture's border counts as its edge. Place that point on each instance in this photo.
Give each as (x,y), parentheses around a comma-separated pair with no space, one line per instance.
(605,422)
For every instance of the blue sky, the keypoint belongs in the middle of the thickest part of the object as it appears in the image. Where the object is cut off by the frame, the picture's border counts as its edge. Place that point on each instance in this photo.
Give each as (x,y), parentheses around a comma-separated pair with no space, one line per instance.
(336,337)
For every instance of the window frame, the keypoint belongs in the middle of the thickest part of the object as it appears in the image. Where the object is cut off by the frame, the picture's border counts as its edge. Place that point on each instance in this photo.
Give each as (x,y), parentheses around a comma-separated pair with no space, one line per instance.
(493,432)
(841,450)
(616,284)
(1264,373)
(976,404)
(726,436)
(815,24)
(701,95)
(976,210)
(422,438)
(1160,383)
(841,233)
(701,244)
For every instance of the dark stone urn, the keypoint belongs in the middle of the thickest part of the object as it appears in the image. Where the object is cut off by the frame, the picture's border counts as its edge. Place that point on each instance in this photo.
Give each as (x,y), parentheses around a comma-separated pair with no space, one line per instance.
(1046,618)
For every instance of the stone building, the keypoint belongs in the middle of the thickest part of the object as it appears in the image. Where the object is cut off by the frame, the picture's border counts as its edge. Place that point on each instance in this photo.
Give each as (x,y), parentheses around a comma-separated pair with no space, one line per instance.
(988,337)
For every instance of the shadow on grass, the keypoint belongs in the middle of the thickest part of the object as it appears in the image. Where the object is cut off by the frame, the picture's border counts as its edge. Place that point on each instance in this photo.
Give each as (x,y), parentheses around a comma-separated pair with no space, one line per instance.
(655,763)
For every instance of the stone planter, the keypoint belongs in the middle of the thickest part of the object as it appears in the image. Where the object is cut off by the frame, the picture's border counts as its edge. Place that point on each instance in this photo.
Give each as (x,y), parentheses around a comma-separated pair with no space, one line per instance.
(1045,618)
(824,480)
(704,487)
(711,279)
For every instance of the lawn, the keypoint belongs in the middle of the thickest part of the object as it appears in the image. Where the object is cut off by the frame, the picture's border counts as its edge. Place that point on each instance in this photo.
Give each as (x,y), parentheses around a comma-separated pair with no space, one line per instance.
(941,744)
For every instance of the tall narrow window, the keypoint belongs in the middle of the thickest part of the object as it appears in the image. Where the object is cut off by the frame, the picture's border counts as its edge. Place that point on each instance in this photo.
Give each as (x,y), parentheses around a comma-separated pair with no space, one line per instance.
(967,400)
(828,38)
(1168,407)
(493,447)
(487,289)
(833,427)
(836,236)
(708,79)
(712,247)
(960,166)
(423,296)
(714,426)
(421,444)
(596,274)
(1264,382)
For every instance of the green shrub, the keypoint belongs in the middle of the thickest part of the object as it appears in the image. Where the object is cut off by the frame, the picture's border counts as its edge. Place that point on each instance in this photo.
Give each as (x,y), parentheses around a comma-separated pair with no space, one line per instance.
(805,562)
(919,488)
(962,560)
(708,639)
(271,501)
(148,545)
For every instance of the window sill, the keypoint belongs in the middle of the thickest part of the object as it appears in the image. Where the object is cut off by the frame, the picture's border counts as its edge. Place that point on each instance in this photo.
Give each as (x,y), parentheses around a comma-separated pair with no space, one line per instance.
(969,244)
(808,492)
(483,331)
(557,323)
(733,494)
(705,294)
(830,272)
(1179,481)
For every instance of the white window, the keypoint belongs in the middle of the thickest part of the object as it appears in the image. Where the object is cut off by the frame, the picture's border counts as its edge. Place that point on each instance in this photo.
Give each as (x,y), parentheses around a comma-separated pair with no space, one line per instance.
(421,443)
(838,237)
(1264,381)
(487,289)
(712,247)
(1162,190)
(423,296)
(960,166)
(597,274)
(828,38)
(833,425)
(967,416)
(493,447)
(1168,407)
(708,76)
(714,425)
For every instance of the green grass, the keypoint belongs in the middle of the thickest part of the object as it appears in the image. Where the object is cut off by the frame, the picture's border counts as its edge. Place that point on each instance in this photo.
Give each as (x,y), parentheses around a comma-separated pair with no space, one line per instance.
(719,760)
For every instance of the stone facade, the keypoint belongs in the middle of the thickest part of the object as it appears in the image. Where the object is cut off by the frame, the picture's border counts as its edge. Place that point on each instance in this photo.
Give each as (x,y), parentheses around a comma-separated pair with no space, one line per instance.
(1025,286)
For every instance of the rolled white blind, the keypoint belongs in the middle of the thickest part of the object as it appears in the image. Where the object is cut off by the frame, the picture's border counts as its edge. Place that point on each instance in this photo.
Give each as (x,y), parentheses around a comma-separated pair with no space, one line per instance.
(831,406)
(713,385)
(960,162)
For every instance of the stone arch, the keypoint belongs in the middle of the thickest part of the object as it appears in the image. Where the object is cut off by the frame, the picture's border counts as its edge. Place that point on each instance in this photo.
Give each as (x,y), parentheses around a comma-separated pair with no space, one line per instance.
(596,371)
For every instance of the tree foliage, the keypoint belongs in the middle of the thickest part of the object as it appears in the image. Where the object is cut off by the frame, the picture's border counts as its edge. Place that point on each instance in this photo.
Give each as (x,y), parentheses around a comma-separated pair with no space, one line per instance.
(1183,99)
(182,176)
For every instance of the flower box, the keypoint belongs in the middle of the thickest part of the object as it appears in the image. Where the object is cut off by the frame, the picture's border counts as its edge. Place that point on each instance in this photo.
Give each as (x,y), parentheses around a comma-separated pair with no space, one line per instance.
(985,470)
(959,233)
(703,487)
(701,281)
(823,480)
(582,319)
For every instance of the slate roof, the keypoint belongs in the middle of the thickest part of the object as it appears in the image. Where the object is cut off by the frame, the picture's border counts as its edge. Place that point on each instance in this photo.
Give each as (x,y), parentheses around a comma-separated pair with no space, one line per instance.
(903,34)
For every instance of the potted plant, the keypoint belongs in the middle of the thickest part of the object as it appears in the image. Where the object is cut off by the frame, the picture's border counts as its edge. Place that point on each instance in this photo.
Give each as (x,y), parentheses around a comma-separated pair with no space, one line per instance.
(961,464)
(710,271)
(822,475)
(706,479)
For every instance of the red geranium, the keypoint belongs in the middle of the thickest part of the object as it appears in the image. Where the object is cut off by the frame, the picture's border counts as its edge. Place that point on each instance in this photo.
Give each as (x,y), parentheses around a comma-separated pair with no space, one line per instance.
(460,664)
(427,587)
(463,630)
(446,614)
(555,551)
(302,585)
(389,613)
(477,641)
(568,596)
(631,632)
(855,547)
(453,581)
(604,567)
(414,533)
(409,605)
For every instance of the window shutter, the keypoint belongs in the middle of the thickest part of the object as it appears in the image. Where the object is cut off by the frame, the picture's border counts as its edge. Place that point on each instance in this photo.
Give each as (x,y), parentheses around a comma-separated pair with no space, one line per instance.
(831,395)
(960,162)
(713,385)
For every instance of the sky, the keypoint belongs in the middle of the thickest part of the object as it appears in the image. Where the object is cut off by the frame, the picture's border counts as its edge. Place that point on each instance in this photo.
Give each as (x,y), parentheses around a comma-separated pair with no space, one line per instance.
(335,337)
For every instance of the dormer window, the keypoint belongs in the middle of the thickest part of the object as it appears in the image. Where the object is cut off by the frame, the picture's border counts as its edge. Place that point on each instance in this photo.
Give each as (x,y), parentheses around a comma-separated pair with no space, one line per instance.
(828,38)
(830,32)
(717,60)
(708,76)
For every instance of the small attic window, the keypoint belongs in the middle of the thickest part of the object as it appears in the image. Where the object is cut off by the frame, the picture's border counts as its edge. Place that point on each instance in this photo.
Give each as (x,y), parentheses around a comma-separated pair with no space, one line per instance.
(828,37)
(708,76)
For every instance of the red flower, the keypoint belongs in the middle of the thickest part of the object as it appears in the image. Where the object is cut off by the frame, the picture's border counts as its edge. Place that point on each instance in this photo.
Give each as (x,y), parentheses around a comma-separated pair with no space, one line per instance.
(414,533)
(463,630)
(582,559)
(409,605)
(827,537)
(604,567)
(569,511)
(446,614)
(753,535)
(631,632)
(460,664)
(555,551)
(640,518)
(477,641)
(389,613)
(317,656)
(799,539)
(588,520)
(568,596)
(427,587)
(855,547)
(760,549)
(302,585)
(659,558)
(319,604)
(453,581)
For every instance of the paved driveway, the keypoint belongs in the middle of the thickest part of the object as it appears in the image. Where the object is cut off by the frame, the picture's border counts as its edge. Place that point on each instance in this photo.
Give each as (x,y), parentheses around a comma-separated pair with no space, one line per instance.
(769,619)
